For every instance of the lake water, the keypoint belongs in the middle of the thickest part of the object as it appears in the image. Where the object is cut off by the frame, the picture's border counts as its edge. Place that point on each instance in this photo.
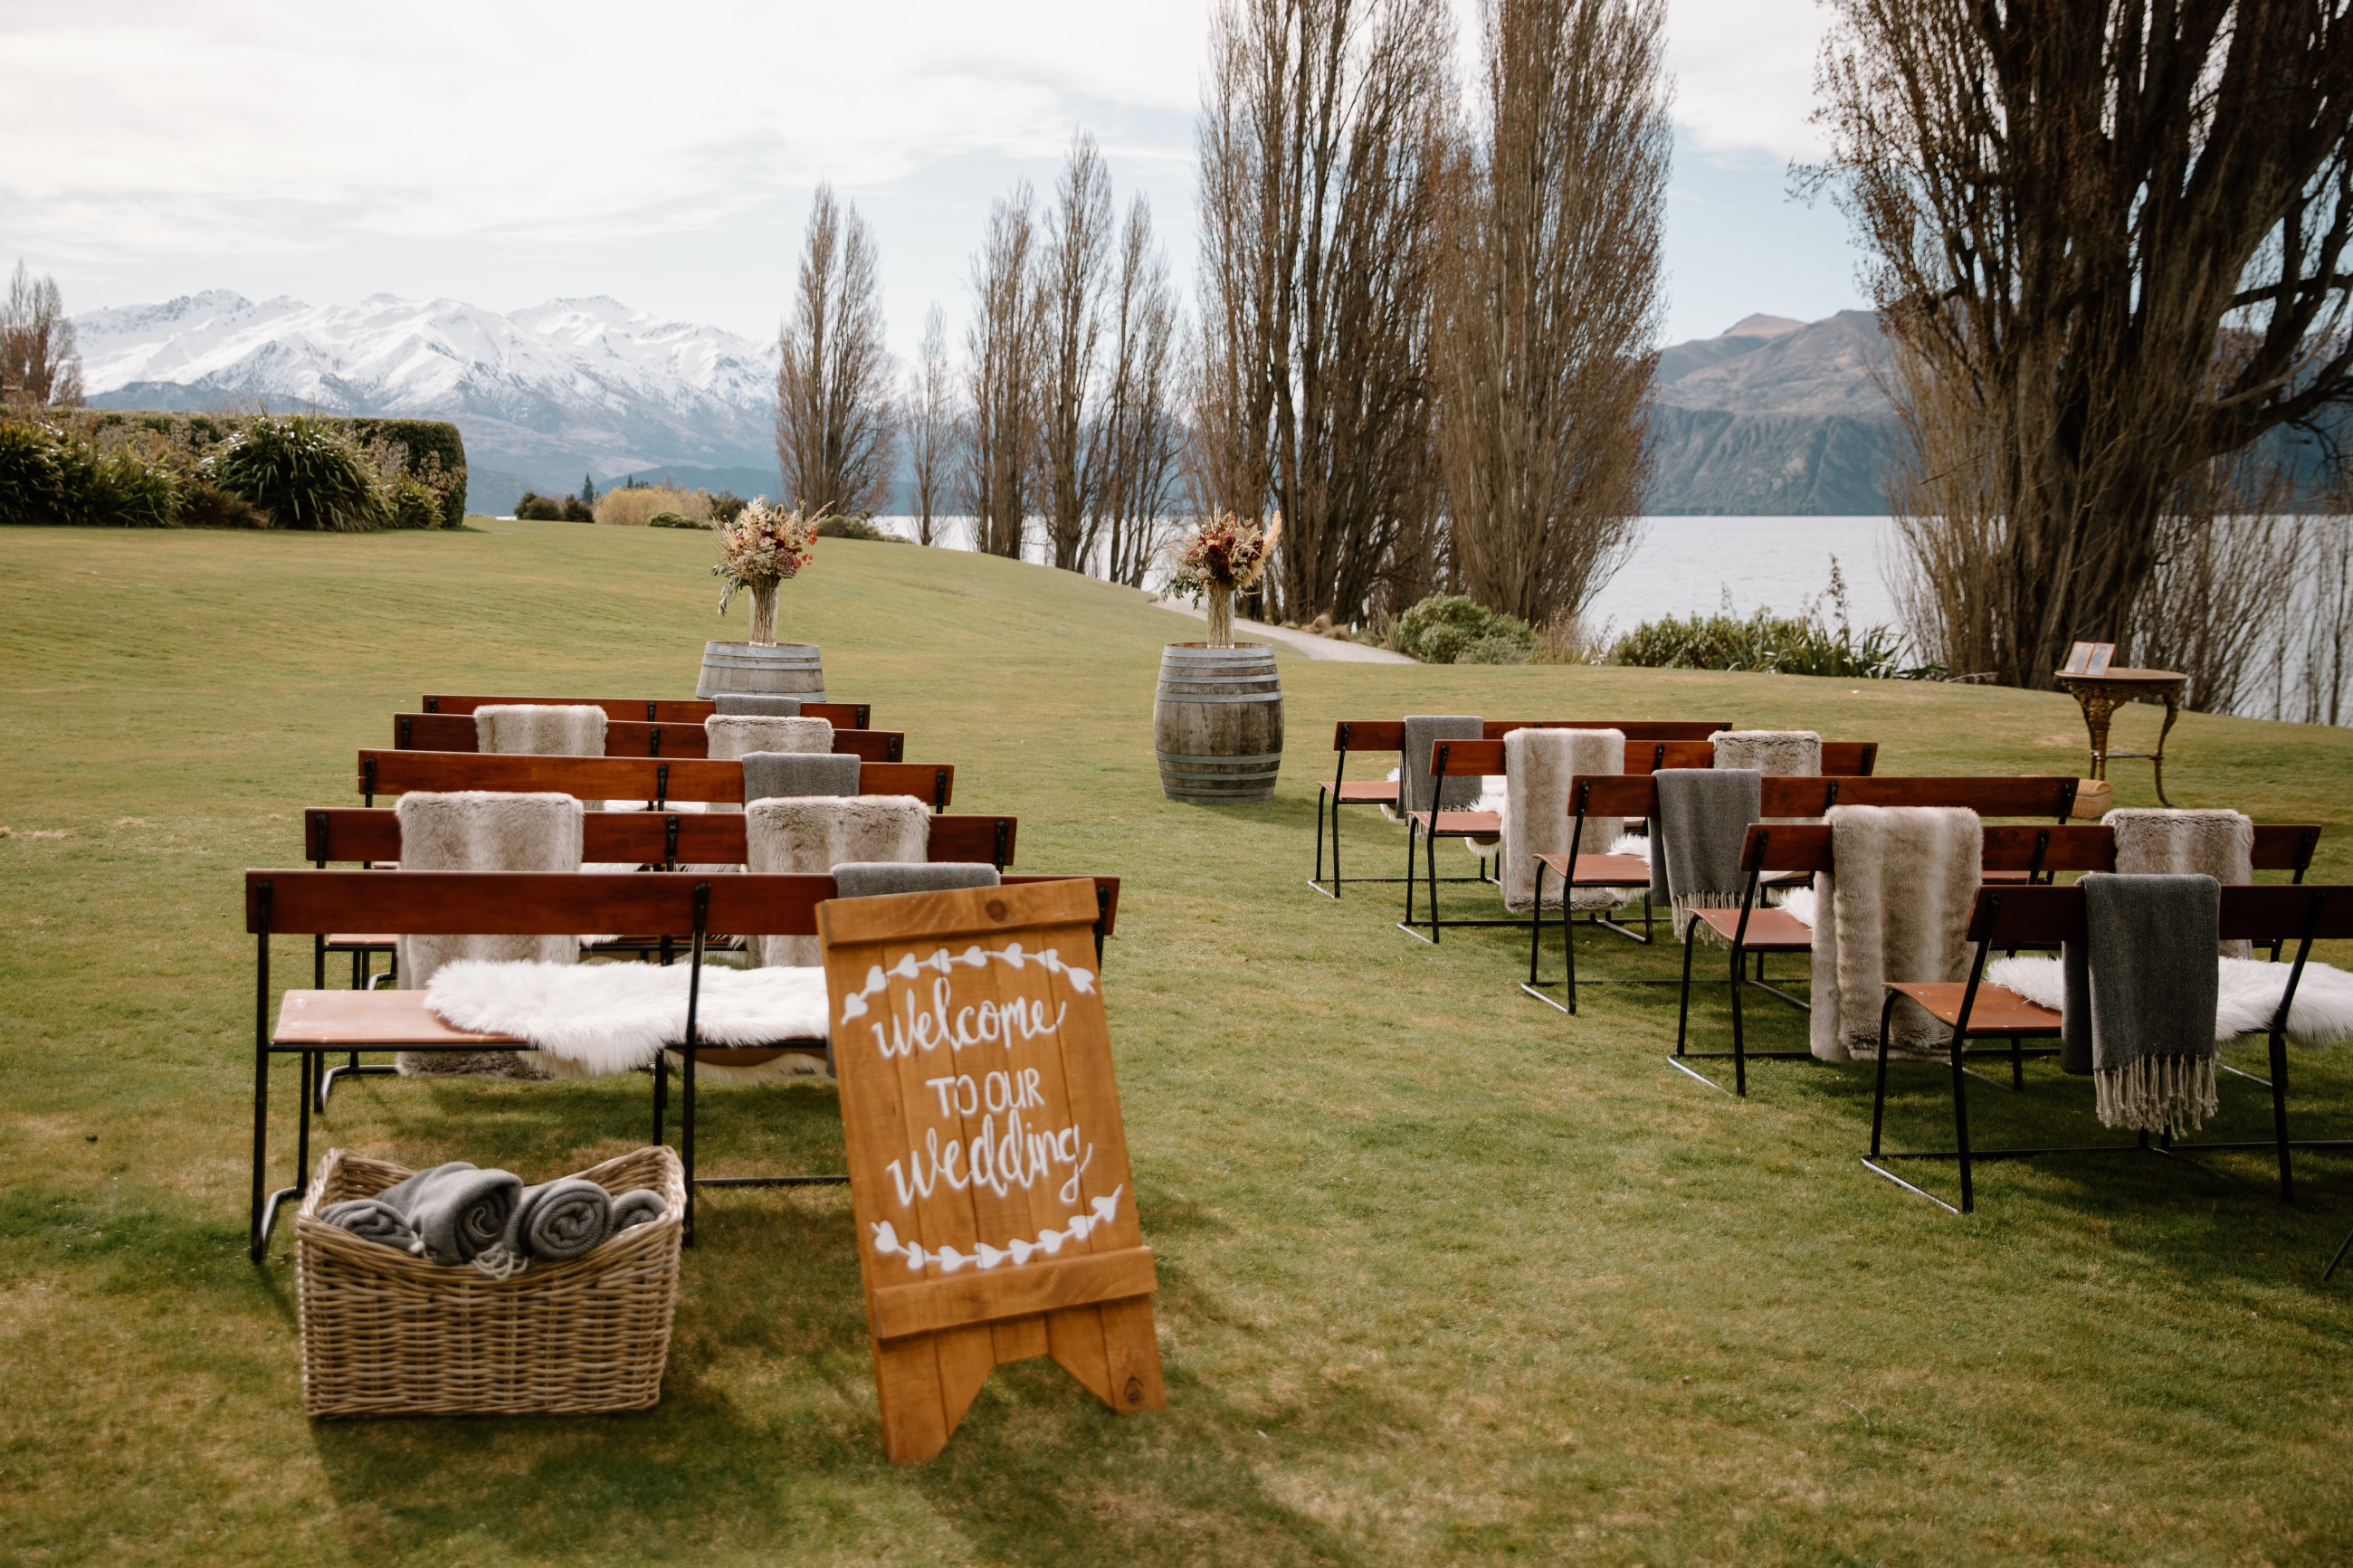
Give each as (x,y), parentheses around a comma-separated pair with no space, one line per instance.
(1686,565)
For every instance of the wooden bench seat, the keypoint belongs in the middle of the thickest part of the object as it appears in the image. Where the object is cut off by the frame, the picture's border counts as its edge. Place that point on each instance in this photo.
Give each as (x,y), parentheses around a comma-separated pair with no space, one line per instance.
(1998,1011)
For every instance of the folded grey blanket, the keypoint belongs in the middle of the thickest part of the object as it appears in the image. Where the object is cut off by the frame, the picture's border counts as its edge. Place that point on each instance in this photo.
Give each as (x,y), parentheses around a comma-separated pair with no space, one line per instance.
(731,703)
(638,1206)
(1414,779)
(559,1219)
(2140,1000)
(370,1219)
(457,1211)
(869,879)
(1704,814)
(773,775)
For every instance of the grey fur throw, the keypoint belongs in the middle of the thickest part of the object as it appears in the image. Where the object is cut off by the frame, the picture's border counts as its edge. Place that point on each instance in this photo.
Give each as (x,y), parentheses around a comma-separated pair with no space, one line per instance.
(2217,844)
(1537,767)
(815,834)
(1895,906)
(772,775)
(875,879)
(482,830)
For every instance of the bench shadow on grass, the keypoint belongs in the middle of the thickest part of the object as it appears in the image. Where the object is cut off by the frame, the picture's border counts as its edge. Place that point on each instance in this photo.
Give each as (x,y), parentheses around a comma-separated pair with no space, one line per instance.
(767,1436)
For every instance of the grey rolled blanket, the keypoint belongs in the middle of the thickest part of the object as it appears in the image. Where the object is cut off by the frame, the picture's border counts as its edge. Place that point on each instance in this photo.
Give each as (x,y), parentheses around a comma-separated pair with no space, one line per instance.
(638,1206)
(729,704)
(2140,999)
(1704,815)
(370,1219)
(772,775)
(457,1210)
(559,1219)
(869,879)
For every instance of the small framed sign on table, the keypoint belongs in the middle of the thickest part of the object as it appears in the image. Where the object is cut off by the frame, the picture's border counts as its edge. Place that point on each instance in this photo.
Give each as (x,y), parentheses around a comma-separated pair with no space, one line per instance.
(2089,658)
(988,1161)
(2100,690)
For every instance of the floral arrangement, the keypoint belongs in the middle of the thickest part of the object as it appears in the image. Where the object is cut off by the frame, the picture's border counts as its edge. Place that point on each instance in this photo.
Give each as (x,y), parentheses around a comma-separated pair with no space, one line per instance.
(1228,554)
(763,546)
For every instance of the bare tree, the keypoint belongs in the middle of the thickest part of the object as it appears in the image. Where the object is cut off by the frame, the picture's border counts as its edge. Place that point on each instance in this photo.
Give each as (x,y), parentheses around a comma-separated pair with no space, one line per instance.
(1140,433)
(2069,206)
(38,364)
(930,422)
(1003,348)
(833,386)
(1320,133)
(1549,300)
(1070,288)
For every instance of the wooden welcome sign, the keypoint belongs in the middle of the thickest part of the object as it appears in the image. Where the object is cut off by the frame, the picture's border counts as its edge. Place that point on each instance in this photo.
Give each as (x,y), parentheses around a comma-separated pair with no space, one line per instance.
(987,1166)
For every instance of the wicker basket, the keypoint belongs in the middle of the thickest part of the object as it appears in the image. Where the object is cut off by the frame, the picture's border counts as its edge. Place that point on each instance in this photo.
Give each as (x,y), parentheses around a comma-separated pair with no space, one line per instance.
(384,1333)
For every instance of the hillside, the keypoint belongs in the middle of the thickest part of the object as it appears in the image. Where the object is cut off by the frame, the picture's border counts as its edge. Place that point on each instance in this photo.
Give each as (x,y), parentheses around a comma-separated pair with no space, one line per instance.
(1772,417)
(541,394)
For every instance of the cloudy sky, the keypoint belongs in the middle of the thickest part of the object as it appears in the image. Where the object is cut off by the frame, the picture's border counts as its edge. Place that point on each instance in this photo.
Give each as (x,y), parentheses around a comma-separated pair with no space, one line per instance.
(504,154)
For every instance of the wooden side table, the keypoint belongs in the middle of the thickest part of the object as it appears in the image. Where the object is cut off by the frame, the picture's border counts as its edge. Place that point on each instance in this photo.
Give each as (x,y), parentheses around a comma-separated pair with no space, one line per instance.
(2102,695)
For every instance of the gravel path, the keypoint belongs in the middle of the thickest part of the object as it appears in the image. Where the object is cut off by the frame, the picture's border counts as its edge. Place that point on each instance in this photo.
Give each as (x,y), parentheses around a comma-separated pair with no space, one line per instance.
(1307,643)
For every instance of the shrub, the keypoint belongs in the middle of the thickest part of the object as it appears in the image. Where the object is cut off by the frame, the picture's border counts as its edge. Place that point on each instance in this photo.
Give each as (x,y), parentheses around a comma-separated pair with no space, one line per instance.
(435,452)
(203,504)
(429,451)
(847,528)
(673,520)
(726,506)
(28,473)
(125,490)
(1803,644)
(302,473)
(535,507)
(412,503)
(1450,628)
(633,506)
(575,510)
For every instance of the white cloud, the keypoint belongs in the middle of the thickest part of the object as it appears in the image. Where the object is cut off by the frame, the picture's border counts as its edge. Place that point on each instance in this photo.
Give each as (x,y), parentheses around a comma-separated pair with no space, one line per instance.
(1745,73)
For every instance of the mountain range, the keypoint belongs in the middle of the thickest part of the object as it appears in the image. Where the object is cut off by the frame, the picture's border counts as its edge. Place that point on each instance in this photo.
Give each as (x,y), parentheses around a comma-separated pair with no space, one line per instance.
(1773,416)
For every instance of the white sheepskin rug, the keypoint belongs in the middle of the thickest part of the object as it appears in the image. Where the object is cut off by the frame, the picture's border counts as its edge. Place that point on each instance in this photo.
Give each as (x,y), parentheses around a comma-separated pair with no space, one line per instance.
(591,1020)
(2250,991)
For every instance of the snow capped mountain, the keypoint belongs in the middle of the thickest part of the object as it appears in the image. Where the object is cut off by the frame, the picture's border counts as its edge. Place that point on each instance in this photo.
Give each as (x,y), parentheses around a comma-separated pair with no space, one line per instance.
(541,394)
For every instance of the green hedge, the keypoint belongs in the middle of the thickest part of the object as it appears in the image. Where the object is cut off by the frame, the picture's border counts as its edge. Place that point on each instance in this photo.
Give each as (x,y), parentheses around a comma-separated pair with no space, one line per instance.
(187,437)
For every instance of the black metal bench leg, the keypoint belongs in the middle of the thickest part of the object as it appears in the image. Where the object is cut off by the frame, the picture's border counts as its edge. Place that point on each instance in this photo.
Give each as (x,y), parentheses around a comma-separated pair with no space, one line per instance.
(2017,1065)
(1316,882)
(1683,1009)
(686,1136)
(661,1097)
(1960,1119)
(1739,1035)
(2279,1114)
(1879,1087)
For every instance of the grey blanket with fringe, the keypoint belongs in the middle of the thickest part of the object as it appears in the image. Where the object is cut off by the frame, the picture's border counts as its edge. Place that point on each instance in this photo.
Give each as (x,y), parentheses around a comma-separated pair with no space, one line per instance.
(638,1206)
(870,879)
(729,704)
(2141,991)
(1704,815)
(1414,779)
(774,776)
(370,1219)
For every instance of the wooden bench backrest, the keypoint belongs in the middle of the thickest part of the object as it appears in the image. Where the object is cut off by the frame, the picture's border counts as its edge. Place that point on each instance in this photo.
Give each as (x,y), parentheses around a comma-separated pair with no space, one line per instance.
(650,709)
(540,903)
(1388,734)
(643,837)
(620,778)
(1458,759)
(1632,796)
(2017,916)
(1474,759)
(2012,846)
(628,738)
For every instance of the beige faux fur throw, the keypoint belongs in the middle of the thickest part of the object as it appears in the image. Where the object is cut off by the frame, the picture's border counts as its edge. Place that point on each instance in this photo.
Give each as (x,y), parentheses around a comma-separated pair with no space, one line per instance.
(812,833)
(480,830)
(1537,766)
(734,736)
(1895,908)
(2217,844)
(541,730)
(1776,753)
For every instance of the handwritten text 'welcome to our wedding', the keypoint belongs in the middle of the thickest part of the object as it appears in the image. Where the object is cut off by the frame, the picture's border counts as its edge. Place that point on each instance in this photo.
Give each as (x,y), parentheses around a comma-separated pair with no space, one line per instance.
(1000,1161)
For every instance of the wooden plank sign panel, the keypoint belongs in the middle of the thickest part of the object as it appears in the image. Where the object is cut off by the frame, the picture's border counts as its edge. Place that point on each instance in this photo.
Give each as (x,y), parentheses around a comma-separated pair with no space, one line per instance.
(987,1163)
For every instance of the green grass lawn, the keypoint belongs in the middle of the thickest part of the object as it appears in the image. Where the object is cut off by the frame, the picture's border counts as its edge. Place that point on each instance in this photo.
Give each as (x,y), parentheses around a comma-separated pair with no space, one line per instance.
(1445,1275)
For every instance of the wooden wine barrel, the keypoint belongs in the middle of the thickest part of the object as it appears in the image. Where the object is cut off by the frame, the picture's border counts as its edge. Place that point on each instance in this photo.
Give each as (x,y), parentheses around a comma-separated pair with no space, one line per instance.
(1217,722)
(785,669)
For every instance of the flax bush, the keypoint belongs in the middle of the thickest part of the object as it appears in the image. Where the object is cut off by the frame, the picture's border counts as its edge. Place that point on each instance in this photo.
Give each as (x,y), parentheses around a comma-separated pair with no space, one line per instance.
(303,474)
(1819,640)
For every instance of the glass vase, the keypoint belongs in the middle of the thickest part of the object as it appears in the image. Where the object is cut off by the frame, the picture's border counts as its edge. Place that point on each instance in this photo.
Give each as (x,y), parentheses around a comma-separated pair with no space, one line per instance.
(764,614)
(1221,615)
